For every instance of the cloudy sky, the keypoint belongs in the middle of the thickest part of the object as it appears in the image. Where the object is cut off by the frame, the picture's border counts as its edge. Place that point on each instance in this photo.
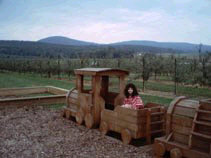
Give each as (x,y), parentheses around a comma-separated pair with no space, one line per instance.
(107,21)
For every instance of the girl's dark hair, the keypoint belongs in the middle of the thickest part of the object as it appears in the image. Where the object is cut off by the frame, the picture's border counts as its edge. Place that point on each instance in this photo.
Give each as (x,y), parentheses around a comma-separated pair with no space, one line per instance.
(130,85)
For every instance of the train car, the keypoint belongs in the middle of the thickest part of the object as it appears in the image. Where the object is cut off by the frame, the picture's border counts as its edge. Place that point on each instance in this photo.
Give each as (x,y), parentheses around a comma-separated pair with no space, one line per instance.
(188,130)
(98,105)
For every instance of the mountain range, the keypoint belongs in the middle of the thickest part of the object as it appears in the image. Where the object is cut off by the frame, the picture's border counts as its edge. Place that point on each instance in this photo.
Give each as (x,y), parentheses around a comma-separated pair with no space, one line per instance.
(182,46)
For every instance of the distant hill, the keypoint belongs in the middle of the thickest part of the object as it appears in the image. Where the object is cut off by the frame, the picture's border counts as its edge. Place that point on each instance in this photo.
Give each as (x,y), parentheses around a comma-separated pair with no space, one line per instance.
(65,41)
(186,47)
(177,46)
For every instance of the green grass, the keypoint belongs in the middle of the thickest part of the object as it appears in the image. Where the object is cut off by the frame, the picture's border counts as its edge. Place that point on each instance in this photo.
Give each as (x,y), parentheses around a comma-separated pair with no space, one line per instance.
(155,99)
(181,90)
(11,79)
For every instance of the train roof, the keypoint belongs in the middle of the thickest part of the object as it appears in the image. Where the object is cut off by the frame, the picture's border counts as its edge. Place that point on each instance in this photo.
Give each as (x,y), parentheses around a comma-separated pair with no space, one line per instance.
(101,71)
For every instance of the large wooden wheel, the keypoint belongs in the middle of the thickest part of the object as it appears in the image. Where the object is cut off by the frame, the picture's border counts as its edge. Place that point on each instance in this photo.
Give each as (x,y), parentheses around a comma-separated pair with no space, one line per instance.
(126,136)
(89,120)
(159,149)
(79,117)
(104,127)
(176,153)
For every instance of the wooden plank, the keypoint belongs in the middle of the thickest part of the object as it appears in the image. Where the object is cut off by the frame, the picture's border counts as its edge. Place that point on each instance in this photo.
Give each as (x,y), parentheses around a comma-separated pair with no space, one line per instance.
(169,113)
(205,104)
(132,112)
(204,117)
(148,126)
(182,120)
(180,138)
(181,129)
(131,119)
(22,91)
(188,103)
(73,101)
(33,100)
(200,144)
(188,112)
(56,90)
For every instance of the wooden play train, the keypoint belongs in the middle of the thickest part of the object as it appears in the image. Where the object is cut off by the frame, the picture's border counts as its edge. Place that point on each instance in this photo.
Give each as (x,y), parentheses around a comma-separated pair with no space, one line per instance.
(187,123)
(99,106)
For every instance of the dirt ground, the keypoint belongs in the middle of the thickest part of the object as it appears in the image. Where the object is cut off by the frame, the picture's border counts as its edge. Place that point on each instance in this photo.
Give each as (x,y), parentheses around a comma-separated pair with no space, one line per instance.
(39,132)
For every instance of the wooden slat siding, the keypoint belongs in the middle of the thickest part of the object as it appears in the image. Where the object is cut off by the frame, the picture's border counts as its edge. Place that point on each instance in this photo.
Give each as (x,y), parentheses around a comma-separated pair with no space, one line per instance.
(184,148)
(192,129)
(204,117)
(188,103)
(22,91)
(132,112)
(203,129)
(180,138)
(73,101)
(188,112)
(56,90)
(169,113)
(205,104)
(33,100)
(148,126)
(181,130)
(131,119)
(182,120)
(200,144)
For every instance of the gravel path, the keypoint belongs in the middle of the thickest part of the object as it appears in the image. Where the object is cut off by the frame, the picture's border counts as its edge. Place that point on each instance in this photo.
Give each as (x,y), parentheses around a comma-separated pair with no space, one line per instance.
(38,132)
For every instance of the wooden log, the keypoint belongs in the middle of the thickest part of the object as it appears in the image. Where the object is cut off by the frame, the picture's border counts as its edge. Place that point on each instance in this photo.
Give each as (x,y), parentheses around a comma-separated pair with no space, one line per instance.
(104,127)
(126,136)
(176,153)
(89,120)
(159,149)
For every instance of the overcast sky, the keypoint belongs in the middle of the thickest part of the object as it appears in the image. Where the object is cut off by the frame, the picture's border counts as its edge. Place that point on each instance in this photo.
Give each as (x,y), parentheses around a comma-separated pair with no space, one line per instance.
(107,21)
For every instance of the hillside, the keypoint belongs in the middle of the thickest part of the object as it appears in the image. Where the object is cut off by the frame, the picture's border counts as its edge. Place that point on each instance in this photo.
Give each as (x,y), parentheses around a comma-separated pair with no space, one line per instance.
(186,47)
(39,49)
(177,46)
(65,41)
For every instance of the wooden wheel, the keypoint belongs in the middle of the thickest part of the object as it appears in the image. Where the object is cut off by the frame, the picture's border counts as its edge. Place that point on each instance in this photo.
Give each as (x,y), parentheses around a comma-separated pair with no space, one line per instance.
(89,121)
(126,136)
(160,149)
(104,127)
(176,153)
(79,117)
(67,114)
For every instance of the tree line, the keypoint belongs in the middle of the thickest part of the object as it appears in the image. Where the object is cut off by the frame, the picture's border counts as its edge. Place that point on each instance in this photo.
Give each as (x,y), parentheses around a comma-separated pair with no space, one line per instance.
(180,69)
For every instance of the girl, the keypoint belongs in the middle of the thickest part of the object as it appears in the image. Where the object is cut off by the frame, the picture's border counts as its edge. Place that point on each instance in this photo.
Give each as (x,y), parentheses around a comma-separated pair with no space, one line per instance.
(132,99)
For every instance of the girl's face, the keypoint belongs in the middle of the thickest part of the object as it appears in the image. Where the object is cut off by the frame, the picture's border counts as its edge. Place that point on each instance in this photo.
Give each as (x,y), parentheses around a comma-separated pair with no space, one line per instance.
(130,91)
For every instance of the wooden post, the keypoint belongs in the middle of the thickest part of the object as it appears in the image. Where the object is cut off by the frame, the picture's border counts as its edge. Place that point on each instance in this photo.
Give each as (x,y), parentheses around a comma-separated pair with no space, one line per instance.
(148,126)
(175,76)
